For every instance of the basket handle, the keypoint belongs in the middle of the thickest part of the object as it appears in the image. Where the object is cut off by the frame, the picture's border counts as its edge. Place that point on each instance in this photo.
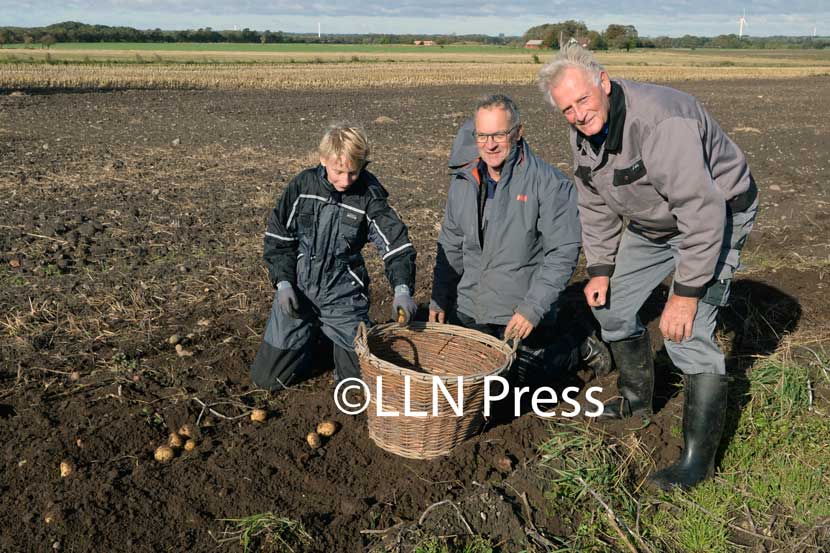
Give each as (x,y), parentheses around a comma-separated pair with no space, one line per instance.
(515,345)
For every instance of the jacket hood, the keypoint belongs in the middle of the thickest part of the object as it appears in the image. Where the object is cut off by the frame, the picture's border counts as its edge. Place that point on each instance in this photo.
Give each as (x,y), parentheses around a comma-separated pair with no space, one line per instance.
(464,148)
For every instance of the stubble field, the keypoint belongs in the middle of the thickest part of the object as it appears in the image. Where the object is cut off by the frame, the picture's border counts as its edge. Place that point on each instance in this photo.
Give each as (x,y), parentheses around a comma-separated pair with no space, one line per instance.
(135,215)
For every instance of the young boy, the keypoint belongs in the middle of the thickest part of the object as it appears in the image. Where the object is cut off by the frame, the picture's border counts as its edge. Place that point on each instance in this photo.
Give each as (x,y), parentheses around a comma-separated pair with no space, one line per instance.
(313,249)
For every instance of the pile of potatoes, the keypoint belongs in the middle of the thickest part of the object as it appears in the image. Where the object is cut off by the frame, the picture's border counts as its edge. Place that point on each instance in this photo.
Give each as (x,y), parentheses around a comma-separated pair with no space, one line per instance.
(185,439)
(325,429)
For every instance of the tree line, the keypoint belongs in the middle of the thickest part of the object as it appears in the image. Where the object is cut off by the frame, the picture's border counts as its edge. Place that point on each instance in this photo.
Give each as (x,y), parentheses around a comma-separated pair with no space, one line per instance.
(553,35)
(615,36)
(72,31)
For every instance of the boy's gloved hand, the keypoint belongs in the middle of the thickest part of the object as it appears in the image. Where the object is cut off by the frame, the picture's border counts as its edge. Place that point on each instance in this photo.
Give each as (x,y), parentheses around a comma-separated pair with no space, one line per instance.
(403,306)
(287,298)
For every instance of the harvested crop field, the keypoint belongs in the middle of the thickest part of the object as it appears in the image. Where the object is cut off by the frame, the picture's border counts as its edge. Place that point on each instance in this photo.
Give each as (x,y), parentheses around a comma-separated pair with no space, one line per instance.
(136,215)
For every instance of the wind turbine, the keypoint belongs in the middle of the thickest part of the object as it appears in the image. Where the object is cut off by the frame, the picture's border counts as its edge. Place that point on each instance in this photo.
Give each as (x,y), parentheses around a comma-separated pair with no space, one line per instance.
(741,23)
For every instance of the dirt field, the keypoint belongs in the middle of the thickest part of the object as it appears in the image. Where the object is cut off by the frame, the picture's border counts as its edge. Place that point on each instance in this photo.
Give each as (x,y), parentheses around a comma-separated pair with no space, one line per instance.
(132,216)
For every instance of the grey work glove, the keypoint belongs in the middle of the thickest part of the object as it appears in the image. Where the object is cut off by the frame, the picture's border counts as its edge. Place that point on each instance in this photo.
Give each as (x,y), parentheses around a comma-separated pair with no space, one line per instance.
(287,298)
(403,306)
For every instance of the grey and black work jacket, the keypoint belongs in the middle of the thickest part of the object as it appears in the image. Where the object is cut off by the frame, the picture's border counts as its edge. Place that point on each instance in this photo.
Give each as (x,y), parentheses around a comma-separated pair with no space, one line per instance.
(316,233)
(668,168)
(522,259)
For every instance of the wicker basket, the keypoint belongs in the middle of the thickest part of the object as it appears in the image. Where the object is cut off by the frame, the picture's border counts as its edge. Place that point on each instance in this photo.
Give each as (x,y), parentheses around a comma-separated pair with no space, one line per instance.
(423,350)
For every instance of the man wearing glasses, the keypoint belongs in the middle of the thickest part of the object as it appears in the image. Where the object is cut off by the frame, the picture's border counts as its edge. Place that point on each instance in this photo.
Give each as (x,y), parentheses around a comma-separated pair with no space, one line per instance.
(509,245)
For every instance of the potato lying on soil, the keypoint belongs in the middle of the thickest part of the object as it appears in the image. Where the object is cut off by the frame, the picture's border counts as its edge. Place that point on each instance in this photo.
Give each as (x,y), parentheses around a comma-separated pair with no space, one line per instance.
(259,415)
(504,463)
(67,468)
(190,445)
(327,428)
(186,430)
(164,454)
(181,352)
(313,440)
(175,441)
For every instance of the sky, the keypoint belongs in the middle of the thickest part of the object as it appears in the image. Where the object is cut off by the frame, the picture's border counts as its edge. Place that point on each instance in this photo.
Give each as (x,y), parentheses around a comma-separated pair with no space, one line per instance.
(514,17)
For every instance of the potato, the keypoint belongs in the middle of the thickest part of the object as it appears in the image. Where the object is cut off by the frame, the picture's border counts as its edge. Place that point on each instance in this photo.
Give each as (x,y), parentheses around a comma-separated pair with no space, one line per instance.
(190,445)
(164,454)
(186,430)
(67,468)
(259,415)
(175,441)
(504,463)
(327,428)
(181,352)
(313,439)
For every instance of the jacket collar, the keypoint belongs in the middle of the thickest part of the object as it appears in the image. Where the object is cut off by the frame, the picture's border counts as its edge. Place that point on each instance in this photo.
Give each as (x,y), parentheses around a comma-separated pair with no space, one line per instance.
(514,159)
(358,184)
(616,121)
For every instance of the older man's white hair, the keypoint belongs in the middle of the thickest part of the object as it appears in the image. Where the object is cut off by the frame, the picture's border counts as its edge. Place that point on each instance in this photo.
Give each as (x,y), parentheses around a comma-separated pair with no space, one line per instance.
(571,55)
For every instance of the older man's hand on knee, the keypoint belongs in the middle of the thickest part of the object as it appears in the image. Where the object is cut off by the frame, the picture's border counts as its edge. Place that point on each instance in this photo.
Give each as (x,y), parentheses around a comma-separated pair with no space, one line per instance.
(678,318)
(596,291)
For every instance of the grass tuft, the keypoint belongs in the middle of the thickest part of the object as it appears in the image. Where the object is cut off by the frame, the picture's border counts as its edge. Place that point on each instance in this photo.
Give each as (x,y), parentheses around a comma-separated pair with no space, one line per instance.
(591,485)
(266,532)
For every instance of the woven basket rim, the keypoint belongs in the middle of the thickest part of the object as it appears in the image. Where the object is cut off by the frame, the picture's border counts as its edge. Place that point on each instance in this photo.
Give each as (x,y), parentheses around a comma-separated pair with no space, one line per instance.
(383,366)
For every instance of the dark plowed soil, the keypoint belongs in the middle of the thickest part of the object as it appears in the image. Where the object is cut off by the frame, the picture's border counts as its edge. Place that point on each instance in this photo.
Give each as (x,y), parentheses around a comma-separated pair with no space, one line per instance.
(133,216)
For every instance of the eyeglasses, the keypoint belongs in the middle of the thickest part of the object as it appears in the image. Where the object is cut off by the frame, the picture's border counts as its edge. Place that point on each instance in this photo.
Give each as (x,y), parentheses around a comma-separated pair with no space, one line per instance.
(498,137)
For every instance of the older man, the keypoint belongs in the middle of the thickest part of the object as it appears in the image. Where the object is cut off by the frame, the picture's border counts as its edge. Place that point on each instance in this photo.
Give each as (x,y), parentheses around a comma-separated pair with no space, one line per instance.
(653,156)
(509,244)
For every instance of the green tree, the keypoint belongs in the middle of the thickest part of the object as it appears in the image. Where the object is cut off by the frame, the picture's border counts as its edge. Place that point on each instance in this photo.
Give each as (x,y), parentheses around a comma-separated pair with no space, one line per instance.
(5,37)
(596,41)
(47,40)
(689,41)
(725,41)
(621,36)
(551,33)
(560,33)
(663,42)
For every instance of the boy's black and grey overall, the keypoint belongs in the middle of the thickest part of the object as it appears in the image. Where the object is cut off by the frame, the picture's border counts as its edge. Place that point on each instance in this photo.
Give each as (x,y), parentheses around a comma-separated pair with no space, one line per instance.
(314,239)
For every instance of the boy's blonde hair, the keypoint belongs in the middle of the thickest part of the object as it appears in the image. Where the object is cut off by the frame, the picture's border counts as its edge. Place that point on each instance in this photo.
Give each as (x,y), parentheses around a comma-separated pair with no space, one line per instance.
(345,140)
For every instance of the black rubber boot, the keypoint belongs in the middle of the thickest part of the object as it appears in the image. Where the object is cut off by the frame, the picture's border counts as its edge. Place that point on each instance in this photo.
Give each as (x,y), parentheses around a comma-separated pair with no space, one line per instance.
(704,410)
(595,355)
(635,364)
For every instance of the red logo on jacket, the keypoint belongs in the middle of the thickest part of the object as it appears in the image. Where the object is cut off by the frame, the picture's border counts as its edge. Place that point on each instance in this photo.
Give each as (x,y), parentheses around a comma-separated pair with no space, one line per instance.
(522,197)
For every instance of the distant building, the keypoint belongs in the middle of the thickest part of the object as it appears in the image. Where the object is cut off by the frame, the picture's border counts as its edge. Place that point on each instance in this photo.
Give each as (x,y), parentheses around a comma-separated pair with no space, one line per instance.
(424,43)
(533,44)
